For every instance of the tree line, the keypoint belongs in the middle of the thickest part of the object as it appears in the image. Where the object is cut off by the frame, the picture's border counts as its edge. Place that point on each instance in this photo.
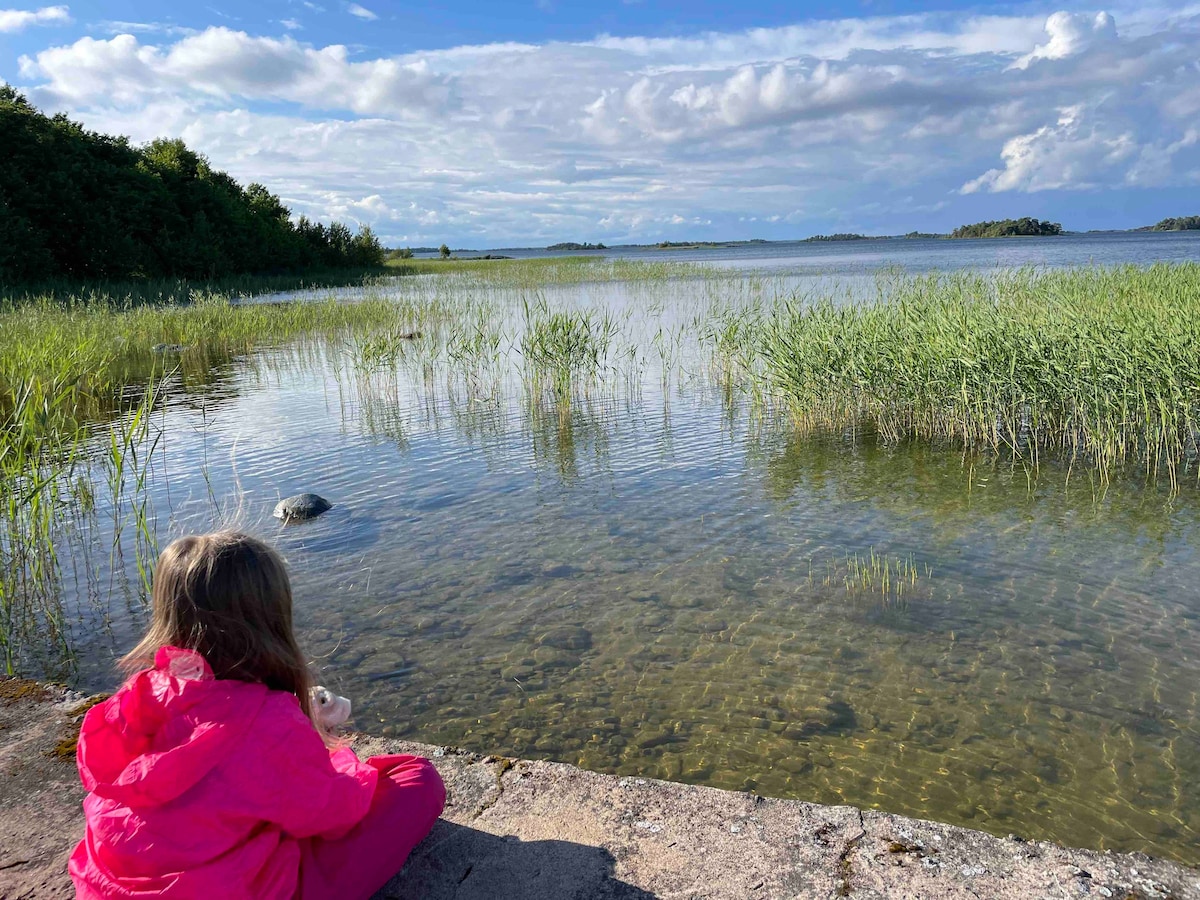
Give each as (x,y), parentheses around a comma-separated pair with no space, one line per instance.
(1178,223)
(82,205)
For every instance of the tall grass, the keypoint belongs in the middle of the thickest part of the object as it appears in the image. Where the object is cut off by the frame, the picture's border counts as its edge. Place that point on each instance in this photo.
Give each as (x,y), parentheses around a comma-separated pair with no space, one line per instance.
(32,463)
(561,270)
(1100,366)
(97,348)
(79,381)
(174,291)
(562,345)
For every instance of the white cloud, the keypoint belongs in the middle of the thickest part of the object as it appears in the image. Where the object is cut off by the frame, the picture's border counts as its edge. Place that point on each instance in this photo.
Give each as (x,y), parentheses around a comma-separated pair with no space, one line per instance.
(12,20)
(1072,153)
(120,27)
(840,122)
(1071,33)
(1156,162)
(222,63)
(362,12)
(291,24)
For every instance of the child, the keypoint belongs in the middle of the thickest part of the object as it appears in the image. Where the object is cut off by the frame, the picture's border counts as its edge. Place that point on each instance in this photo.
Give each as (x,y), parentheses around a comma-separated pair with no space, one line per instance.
(206,776)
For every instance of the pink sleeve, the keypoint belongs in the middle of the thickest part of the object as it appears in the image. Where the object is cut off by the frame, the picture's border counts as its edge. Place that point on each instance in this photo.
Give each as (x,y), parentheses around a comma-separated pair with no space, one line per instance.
(303,787)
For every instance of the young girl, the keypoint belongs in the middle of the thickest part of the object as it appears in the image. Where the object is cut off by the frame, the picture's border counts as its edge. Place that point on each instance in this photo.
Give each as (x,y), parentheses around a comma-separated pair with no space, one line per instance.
(206,775)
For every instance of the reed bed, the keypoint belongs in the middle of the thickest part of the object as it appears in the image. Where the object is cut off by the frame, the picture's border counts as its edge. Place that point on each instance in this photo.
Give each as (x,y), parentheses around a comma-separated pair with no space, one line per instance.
(84,353)
(562,270)
(79,381)
(175,291)
(1100,366)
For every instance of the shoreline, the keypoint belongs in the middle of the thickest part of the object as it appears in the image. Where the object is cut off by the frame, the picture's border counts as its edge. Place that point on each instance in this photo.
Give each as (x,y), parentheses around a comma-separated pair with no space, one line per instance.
(544,830)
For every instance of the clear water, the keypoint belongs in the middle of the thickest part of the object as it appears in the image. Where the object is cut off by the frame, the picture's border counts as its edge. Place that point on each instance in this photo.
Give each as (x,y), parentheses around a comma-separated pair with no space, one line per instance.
(650,579)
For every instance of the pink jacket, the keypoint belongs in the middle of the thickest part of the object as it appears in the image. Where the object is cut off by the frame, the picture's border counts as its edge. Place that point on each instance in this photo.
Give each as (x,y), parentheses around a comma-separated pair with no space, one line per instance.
(200,787)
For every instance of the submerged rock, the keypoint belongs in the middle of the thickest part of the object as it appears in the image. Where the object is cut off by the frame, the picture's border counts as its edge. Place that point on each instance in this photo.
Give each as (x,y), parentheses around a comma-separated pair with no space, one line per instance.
(301,507)
(567,637)
(836,717)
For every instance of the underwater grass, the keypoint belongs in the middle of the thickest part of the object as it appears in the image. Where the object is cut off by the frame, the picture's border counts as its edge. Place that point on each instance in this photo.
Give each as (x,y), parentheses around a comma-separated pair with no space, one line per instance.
(887,580)
(1100,366)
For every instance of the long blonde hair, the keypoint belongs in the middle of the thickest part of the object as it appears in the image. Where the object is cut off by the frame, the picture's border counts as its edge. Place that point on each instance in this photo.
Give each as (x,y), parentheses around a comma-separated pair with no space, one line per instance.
(227,596)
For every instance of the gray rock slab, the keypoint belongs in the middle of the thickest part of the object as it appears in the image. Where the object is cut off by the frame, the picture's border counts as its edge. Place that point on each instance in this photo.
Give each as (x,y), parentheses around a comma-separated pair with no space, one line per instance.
(547,831)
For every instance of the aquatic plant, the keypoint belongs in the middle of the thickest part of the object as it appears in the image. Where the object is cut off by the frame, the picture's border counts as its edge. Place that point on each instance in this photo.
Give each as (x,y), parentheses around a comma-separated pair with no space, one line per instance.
(96,348)
(78,384)
(125,294)
(562,345)
(889,580)
(30,485)
(563,270)
(1098,366)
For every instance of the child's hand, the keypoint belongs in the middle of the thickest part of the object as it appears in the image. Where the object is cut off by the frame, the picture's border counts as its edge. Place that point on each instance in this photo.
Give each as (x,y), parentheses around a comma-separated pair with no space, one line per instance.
(329,709)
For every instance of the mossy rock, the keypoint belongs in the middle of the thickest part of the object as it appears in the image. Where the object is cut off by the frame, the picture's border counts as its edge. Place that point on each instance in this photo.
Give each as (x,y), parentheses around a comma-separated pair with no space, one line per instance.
(14,690)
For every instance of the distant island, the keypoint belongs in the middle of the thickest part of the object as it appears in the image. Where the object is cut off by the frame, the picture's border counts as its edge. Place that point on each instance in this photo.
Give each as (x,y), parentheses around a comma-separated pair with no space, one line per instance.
(572,245)
(837,237)
(1025,227)
(1183,223)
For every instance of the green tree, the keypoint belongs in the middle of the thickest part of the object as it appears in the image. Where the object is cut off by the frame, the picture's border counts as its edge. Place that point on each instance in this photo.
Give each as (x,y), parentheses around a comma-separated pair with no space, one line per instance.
(1024,227)
(79,204)
(1180,223)
(444,252)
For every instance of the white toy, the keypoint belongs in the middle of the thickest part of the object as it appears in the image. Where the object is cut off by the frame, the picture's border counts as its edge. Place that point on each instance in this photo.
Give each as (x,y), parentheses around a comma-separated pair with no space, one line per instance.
(329,709)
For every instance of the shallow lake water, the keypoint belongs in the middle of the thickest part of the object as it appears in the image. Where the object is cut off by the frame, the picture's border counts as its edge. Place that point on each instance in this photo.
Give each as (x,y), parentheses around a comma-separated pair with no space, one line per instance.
(655,577)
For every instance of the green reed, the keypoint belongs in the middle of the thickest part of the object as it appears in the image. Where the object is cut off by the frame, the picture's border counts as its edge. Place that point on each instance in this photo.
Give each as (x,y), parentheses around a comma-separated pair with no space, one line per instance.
(30,504)
(562,270)
(175,291)
(98,347)
(890,580)
(79,382)
(130,449)
(1100,366)
(563,345)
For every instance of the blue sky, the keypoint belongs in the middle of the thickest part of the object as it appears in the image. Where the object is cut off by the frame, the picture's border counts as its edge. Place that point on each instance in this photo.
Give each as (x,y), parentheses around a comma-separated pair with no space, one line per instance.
(510,122)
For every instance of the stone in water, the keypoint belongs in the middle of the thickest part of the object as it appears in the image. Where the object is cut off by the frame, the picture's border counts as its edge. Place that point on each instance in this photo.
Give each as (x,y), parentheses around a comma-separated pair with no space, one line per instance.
(302,506)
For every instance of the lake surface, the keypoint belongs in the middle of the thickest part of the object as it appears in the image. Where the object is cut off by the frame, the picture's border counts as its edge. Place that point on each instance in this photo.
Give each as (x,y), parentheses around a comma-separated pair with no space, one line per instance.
(655,576)
(850,258)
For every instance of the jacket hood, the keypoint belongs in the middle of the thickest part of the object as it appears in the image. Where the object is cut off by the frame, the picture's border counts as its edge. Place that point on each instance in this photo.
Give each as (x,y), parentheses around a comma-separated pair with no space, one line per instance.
(164,730)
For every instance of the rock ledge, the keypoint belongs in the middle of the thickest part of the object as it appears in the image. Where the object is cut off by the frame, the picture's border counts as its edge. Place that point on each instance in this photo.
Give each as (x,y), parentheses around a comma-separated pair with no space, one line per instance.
(546,831)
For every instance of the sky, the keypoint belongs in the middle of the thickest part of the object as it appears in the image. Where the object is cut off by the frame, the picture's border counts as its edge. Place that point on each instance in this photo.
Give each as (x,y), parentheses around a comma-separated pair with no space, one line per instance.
(493,123)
